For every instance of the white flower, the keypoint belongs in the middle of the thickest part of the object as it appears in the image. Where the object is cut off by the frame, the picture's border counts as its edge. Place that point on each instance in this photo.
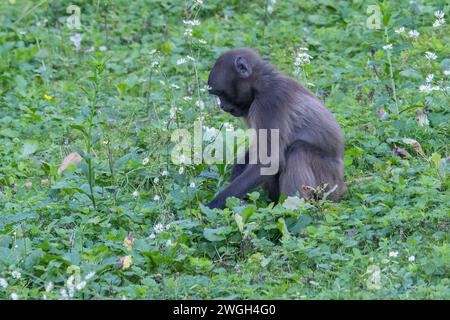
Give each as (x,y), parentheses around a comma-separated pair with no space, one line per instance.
(393,254)
(436,88)
(187,98)
(76,40)
(411,258)
(194,22)
(169,243)
(168,226)
(156,180)
(173,85)
(89,275)
(188,32)
(447,72)
(145,161)
(135,193)
(158,228)
(429,78)
(69,283)
(430,55)
(81,285)
(202,41)
(181,170)
(152,236)
(3,283)
(105,142)
(14,296)
(198,2)
(228,126)
(387,47)
(438,23)
(302,57)
(192,185)
(173,112)
(63,293)
(200,104)
(181,61)
(16,274)
(49,287)
(414,34)
(103,48)
(425,88)
(400,30)
(439,14)
(164,173)
(156,198)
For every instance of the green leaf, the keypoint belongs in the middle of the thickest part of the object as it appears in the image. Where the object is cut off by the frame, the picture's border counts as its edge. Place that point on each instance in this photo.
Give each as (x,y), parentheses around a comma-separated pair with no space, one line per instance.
(247,213)
(436,160)
(7,132)
(281,225)
(254,196)
(29,147)
(301,223)
(239,222)
(218,234)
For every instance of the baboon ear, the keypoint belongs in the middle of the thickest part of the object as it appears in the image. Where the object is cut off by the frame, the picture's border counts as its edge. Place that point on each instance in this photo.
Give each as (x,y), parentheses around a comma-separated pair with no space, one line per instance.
(243,68)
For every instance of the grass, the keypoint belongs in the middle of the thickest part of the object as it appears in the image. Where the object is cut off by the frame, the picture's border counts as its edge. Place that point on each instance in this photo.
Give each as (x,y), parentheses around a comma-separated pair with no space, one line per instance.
(123,221)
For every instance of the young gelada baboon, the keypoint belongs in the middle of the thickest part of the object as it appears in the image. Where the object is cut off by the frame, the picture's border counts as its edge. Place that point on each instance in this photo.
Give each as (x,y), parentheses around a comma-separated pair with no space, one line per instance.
(310,140)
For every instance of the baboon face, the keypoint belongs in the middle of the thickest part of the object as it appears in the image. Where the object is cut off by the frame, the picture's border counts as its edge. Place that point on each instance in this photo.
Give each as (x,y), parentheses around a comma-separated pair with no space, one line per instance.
(230,81)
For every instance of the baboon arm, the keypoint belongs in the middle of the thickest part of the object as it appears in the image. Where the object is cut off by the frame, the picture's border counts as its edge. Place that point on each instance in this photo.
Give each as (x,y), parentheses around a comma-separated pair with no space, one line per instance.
(239,168)
(244,183)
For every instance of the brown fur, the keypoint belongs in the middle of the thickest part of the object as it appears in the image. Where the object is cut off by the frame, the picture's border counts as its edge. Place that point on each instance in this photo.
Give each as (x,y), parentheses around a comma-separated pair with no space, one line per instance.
(311,141)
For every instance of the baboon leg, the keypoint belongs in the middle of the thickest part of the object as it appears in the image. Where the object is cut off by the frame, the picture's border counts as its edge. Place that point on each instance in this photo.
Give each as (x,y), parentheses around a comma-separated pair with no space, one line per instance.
(273,188)
(238,168)
(308,166)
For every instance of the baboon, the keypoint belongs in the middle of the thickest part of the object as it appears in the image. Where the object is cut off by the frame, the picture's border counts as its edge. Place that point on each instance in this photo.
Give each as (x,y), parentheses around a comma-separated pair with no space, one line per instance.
(311,143)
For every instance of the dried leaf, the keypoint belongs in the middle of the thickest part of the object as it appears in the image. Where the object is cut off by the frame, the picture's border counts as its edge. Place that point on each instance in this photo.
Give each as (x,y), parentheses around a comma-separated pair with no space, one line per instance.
(416,145)
(128,241)
(421,118)
(72,159)
(396,151)
(125,262)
